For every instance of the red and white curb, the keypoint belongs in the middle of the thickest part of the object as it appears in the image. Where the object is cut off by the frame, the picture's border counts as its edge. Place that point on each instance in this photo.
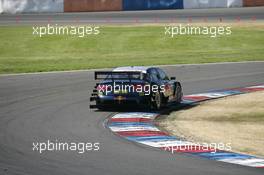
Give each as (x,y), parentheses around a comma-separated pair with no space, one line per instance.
(139,127)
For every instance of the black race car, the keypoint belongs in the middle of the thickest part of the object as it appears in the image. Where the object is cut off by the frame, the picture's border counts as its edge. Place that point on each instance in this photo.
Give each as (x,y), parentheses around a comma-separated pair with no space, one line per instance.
(146,86)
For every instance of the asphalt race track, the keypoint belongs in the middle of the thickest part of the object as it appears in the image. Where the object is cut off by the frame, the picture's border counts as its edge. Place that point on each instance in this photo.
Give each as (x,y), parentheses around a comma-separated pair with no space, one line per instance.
(157,16)
(38,107)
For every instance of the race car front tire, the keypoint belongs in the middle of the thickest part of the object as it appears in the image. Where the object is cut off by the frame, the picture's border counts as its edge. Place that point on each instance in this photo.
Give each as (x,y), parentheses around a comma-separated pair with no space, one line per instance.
(179,93)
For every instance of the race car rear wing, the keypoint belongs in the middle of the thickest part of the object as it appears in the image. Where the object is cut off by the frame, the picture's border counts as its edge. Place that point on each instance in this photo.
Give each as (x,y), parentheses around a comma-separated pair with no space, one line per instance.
(103,75)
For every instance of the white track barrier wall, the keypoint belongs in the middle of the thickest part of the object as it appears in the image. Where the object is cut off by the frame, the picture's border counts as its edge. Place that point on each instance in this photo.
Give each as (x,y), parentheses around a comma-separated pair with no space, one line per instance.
(29,6)
(1,9)
(192,4)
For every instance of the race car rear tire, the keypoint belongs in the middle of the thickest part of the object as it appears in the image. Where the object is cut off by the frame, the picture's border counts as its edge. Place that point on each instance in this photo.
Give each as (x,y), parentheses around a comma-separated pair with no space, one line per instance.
(156,101)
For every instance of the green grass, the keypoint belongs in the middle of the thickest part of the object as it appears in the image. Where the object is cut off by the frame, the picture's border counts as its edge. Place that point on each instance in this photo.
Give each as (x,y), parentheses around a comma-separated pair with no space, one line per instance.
(20,51)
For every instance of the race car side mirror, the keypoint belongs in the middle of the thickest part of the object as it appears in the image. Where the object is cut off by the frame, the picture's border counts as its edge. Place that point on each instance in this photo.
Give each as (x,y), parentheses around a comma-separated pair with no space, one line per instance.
(173,78)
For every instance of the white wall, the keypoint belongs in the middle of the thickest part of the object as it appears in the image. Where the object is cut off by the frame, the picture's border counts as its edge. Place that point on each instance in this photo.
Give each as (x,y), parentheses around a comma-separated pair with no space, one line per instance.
(235,3)
(1,9)
(24,6)
(189,4)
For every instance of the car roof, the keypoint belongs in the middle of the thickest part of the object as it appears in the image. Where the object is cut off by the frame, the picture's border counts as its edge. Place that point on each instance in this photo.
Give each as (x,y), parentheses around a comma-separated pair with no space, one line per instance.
(142,69)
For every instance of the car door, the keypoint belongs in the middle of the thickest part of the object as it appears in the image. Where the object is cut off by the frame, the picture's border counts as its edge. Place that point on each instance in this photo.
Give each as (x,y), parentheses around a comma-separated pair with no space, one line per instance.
(154,77)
